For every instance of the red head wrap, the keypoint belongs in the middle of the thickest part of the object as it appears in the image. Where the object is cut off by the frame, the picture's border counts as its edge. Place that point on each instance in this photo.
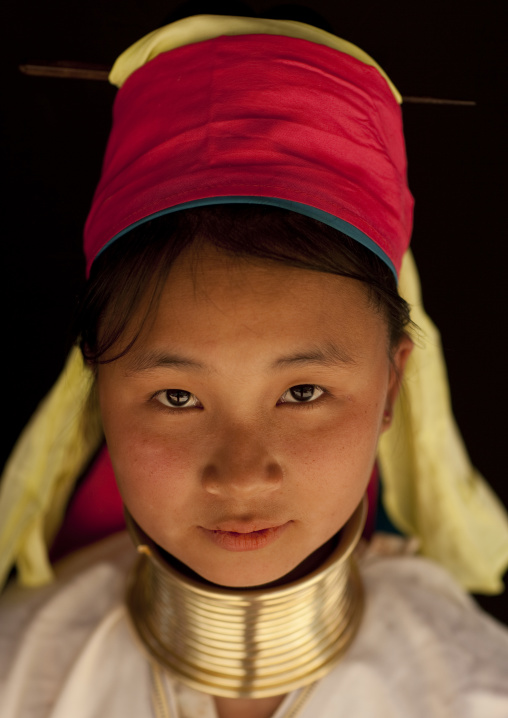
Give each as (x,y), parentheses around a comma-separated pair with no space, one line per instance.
(257,118)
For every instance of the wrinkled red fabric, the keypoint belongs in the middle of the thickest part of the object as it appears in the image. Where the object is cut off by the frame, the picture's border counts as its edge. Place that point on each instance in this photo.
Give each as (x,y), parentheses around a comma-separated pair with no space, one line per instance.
(95,510)
(256,116)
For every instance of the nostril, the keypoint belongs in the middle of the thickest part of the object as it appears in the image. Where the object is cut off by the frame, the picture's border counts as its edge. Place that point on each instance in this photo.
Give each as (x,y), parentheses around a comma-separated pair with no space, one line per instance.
(274,472)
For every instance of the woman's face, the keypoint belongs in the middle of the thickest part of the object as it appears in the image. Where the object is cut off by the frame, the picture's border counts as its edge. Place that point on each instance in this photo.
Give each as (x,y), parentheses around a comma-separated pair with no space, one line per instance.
(216,456)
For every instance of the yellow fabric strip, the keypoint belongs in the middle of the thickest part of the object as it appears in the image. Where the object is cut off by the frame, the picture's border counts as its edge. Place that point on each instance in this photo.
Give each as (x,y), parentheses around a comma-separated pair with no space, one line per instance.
(48,458)
(431,490)
(206,27)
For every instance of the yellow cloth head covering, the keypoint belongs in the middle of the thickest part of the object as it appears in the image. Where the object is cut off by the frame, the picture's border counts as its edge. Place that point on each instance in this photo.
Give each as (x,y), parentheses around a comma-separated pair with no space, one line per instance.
(431,490)
(51,453)
(200,28)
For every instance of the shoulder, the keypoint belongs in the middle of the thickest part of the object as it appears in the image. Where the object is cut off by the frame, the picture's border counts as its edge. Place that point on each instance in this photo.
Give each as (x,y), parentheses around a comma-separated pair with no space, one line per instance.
(424,648)
(417,590)
(45,632)
(98,571)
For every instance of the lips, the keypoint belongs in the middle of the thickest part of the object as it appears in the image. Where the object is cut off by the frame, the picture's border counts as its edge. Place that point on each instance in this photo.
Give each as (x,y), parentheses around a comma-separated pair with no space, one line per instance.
(234,536)
(245,527)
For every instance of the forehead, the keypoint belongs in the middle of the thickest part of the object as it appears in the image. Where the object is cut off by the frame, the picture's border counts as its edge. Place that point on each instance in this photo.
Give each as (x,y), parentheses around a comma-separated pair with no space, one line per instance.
(212,299)
(206,273)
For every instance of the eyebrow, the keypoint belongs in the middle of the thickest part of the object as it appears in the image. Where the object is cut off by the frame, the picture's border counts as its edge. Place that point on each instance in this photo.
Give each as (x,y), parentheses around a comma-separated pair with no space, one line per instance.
(327,355)
(330,355)
(160,359)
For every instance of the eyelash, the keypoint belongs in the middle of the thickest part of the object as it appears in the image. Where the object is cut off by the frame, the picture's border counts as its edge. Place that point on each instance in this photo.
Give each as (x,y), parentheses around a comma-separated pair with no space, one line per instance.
(300,405)
(306,404)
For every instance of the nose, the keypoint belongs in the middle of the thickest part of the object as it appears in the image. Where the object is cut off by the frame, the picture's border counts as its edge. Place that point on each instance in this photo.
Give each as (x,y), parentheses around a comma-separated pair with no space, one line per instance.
(241,466)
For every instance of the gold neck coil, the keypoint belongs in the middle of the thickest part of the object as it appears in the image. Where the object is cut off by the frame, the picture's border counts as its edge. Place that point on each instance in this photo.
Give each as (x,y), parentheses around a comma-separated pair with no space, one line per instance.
(247,642)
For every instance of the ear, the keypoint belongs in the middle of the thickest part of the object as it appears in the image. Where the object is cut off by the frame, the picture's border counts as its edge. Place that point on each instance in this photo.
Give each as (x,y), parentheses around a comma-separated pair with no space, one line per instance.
(399,358)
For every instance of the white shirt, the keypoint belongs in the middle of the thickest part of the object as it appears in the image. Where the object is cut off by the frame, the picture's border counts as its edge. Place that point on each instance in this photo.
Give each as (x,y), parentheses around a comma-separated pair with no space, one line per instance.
(424,649)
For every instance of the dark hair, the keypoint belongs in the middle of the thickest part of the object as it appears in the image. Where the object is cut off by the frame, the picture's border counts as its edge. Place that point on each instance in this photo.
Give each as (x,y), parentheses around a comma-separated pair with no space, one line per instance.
(136,265)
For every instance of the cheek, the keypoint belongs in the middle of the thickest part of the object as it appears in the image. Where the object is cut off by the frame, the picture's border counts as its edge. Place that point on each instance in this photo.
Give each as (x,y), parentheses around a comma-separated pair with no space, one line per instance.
(152,469)
(333,463)
(347,440)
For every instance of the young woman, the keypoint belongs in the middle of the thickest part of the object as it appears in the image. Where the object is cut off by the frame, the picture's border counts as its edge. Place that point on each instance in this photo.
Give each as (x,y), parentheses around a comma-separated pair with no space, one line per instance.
(245,343)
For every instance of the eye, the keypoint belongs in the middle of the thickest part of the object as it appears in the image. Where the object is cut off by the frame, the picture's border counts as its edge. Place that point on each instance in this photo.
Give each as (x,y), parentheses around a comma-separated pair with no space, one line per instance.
(301,394)
(177,398)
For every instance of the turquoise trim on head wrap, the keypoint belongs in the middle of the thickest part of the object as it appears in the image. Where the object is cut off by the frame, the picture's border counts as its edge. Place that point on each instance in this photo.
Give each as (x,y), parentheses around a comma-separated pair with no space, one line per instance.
(335,222)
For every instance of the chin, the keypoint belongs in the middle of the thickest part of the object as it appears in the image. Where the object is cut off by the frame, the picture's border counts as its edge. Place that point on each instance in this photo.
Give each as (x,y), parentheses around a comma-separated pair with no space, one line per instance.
(263,571)
(242,576)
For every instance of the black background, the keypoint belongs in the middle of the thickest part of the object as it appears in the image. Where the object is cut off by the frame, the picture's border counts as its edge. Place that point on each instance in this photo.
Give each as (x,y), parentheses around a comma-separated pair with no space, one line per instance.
(54,133)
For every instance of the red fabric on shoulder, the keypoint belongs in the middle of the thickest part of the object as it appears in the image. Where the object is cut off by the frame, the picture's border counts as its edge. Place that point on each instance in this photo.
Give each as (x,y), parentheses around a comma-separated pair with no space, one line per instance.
(95,511)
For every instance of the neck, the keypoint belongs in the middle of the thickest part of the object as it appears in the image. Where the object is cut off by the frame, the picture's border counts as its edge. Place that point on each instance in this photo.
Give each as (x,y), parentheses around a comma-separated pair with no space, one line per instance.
(247,643)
